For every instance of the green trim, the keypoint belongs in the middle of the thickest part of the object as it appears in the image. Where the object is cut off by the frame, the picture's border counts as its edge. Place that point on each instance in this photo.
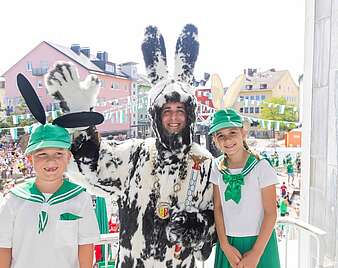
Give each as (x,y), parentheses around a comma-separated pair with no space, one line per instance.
(28,191)
(67,191)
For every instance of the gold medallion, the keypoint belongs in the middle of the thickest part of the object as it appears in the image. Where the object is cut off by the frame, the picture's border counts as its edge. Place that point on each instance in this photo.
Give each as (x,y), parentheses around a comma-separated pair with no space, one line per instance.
(163,210)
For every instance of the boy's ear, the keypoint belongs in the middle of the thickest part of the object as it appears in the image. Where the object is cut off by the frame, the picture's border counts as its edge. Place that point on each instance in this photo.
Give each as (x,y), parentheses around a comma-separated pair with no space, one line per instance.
(69,155)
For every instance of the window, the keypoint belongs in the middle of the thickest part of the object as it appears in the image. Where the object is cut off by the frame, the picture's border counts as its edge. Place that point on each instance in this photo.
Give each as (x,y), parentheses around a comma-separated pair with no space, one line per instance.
(257,110)
(262,97)
(251,110)
(248,87)
(109,68)
(2,84)
(44,64)
(29,66)
(263,86)
(241,98)
(115,85)
(252,97)
(246,110)
(246,97)
(258,97)
(241,110)
(141,116)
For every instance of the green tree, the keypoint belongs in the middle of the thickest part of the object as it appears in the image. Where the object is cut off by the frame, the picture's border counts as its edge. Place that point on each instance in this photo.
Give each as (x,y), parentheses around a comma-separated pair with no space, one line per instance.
(273,113)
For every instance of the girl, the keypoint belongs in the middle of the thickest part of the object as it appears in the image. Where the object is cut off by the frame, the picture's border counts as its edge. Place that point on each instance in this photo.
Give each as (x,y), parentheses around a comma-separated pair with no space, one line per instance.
(244,199)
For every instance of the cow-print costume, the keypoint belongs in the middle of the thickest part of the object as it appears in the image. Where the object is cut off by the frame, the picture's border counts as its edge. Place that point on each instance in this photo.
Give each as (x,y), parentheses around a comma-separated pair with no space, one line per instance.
(140,174)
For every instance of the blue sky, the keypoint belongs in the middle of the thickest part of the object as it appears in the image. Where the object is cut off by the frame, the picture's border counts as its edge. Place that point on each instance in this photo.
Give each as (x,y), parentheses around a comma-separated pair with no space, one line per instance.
(233,34)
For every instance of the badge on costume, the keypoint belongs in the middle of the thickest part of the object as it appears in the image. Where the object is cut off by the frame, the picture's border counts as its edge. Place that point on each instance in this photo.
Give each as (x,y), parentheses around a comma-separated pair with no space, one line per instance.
(163,210)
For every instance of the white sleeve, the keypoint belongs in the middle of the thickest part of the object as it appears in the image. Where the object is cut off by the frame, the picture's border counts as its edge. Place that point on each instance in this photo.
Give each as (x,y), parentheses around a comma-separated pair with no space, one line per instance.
(266,174)
(88,227)
(6,222)
(215,174)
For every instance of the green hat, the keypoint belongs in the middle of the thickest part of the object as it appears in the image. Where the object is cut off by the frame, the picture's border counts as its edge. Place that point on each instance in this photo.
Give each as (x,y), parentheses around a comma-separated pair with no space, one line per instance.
(225,118)
(48,136)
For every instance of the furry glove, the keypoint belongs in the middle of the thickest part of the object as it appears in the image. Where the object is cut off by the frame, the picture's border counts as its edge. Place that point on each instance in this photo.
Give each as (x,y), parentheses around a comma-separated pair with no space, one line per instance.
(64,84)
(189,228)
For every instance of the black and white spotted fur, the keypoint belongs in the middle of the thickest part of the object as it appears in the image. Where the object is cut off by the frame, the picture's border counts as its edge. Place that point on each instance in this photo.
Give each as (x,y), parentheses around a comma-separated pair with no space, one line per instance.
(127,170)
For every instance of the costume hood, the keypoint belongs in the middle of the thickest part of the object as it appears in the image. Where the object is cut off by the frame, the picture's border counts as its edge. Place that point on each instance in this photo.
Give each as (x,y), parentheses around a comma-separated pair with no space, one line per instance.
(177,88)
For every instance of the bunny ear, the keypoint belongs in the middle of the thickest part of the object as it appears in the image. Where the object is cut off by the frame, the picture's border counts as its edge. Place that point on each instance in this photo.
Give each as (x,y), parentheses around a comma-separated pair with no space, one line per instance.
(80,119)
(154,54)
(217,91)
(31,99)
(232,92)
(187,47)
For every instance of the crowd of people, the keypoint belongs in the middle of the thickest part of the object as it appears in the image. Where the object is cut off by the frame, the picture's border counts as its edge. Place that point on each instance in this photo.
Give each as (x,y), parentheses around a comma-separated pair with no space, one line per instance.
(14,166)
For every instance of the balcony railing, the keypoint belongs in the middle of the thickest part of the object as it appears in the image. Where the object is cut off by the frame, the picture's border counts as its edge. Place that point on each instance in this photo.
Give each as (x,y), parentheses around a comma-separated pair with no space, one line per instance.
(291,229)
(111,244)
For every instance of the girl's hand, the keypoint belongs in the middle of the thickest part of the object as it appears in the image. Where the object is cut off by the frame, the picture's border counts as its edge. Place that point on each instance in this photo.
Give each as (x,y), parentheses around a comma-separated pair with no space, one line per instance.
(250,260)
(233,255)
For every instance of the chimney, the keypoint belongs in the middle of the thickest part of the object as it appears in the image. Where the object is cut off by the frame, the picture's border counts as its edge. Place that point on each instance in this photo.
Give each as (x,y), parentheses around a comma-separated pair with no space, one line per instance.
(76,48)
(86,51)
(102,56)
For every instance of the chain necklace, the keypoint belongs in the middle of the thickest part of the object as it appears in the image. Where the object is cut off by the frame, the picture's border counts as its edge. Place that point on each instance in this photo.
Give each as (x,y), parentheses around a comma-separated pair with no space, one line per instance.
(162,208)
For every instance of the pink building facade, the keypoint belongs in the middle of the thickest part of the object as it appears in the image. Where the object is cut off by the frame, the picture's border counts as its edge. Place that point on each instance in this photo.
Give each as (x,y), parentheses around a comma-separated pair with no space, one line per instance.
(116,84)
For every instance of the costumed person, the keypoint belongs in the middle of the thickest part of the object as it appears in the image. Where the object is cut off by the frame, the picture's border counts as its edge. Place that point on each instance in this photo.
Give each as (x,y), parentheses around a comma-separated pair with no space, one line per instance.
(48,220)
(160,184)
(244,198)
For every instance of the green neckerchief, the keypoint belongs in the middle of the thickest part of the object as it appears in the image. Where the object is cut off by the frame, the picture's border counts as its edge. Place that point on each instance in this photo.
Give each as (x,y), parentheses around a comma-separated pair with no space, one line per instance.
(30,192)
(235,181)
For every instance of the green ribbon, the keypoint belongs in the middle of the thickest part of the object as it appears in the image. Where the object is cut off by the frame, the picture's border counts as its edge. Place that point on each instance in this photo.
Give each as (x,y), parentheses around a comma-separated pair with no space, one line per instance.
(235,181)
(233,190)
(43,219)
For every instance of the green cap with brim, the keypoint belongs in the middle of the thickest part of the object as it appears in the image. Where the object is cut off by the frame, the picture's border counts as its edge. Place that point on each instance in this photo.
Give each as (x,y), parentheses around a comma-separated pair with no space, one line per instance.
(225,118)
(48,136)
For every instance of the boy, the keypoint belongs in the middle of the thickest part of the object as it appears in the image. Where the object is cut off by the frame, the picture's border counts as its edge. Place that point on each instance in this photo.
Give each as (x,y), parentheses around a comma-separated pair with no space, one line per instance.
(48,221)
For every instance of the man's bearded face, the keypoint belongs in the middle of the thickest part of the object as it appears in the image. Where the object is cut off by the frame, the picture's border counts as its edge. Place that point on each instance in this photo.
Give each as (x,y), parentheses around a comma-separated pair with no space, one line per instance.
(174,117)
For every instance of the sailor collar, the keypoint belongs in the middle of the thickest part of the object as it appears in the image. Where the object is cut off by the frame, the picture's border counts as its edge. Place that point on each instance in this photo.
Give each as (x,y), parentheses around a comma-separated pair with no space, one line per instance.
(30,192)
(235,181)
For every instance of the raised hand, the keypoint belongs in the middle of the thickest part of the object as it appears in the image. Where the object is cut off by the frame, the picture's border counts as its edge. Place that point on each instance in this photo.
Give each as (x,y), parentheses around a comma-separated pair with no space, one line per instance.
(64,84)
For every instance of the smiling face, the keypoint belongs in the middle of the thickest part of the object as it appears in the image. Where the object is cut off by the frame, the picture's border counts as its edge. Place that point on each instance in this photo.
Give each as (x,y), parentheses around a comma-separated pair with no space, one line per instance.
(174,117)
(50,163)
(230,140)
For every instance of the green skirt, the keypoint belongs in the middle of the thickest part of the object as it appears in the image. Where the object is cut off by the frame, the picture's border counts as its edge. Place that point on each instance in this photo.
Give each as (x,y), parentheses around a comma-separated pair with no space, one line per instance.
(269,259)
